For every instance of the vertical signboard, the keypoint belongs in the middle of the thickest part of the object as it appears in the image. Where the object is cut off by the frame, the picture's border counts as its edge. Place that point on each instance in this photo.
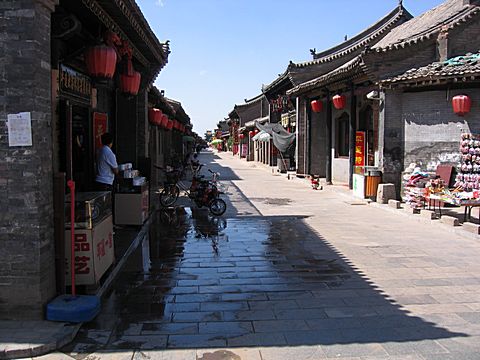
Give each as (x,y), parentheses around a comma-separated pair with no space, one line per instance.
(100,125)
(360,148)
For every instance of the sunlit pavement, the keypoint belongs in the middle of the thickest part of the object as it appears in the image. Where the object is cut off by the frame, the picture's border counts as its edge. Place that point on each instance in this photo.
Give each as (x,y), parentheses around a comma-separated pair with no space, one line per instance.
(289,273)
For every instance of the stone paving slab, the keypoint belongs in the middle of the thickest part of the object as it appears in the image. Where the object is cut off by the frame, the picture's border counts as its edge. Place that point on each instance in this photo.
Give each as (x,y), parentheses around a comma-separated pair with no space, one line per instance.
(332,280)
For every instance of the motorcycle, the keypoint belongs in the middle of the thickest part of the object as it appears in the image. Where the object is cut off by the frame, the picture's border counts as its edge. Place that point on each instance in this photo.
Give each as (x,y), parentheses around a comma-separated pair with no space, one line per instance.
(202,192)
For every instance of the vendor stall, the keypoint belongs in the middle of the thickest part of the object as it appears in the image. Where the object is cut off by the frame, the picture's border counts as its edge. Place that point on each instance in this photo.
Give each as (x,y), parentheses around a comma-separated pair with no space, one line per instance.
(131,203)
(433,190)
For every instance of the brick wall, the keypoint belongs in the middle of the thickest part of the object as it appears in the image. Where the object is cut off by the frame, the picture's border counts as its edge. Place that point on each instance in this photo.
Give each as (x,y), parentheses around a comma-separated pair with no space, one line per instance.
(318,150)
(432,129)
(391,138)
(302,136)
(421,128)
(27,279)
(464,39)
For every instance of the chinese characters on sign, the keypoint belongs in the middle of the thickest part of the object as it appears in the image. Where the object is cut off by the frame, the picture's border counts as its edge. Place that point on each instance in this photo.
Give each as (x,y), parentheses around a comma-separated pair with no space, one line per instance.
(100,124)
(360,148)
(74,83)
(19,129)
(82,262)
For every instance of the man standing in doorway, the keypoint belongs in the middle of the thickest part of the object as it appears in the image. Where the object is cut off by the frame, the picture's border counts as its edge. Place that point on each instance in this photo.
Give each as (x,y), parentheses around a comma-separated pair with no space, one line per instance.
(107,166)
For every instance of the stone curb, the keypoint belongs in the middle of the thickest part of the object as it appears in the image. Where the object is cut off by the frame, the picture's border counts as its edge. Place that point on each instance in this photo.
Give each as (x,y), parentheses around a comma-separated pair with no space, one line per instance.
(68,333)
(58,340)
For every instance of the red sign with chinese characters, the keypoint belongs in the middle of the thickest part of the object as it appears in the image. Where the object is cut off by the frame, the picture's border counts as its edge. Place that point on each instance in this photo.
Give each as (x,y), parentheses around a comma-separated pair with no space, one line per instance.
(360,148)
(100,126)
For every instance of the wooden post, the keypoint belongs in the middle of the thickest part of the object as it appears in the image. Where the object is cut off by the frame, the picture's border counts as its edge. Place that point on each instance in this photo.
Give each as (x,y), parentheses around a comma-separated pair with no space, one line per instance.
(328,143)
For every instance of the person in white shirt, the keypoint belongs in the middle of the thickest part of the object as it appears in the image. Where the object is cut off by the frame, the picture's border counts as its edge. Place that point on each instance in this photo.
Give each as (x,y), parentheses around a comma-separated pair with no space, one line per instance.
(107,166)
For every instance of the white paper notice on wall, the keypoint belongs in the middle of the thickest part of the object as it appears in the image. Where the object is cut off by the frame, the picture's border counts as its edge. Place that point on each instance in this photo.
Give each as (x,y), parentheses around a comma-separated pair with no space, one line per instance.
(19,129)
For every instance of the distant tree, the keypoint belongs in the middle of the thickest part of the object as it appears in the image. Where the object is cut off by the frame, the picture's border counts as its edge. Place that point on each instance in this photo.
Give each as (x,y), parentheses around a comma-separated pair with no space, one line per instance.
(208,135)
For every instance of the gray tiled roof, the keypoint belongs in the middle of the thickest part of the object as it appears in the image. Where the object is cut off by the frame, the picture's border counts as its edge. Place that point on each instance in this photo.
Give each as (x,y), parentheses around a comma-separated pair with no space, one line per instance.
(466,67)
(449,14)
(350,68)
(297,73)
(365,38)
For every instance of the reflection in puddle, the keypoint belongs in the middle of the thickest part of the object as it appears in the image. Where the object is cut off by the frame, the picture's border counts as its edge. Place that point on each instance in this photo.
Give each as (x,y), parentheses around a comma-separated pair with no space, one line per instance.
(260,281)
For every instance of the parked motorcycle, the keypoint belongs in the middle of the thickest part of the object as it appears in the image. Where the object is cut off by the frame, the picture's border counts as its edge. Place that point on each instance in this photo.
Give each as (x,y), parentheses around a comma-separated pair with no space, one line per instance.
(203,192)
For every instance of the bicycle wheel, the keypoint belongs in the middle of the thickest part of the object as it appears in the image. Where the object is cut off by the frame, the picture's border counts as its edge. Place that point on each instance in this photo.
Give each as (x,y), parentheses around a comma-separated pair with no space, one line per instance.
(217,206)
(169,195)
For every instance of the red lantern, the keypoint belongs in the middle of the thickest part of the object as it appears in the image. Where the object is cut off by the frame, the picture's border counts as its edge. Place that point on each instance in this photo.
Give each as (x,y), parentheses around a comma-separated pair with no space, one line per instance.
(169,124)
(101,61)
(158,118)
(164,121)
(241,136)
(130,84)
(339,101)
(316,106)
(461,104)
(153,116)
(251,133)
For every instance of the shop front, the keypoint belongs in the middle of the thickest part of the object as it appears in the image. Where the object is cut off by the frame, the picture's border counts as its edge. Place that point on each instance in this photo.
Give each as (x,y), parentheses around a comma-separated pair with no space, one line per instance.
(89,77)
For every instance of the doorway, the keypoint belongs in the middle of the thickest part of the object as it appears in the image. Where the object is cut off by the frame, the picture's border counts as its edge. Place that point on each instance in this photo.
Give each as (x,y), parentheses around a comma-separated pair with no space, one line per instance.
(76,157)
(366,124)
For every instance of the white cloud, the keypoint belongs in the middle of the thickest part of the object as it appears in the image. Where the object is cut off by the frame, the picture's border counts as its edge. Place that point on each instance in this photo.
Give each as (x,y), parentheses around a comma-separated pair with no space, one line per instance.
(160,3)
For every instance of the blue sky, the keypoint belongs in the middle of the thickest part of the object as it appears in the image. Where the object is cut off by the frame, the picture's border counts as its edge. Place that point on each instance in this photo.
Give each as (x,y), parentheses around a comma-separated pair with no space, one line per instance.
(222,51)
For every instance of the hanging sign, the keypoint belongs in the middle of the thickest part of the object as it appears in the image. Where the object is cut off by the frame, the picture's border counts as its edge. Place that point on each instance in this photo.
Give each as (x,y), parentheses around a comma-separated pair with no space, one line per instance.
(19,129)
(74,83)
(360,148)
(100,126)
(285,119)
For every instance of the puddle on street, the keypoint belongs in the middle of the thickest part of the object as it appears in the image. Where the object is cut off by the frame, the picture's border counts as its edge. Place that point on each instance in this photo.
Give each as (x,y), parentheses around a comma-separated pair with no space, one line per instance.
(199,281)
(199,276)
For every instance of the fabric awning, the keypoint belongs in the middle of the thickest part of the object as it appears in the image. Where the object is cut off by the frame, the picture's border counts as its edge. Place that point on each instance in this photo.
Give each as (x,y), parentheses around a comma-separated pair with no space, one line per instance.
(262,136)
(281,138)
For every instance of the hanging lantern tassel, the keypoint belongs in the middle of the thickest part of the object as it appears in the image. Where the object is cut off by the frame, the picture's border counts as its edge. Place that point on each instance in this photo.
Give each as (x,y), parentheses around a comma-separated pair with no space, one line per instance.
(461,104)
(130,84)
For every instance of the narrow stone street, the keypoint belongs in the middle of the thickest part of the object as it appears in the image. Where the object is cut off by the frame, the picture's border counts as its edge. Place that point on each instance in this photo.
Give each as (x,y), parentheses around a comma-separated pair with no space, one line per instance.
(289,273)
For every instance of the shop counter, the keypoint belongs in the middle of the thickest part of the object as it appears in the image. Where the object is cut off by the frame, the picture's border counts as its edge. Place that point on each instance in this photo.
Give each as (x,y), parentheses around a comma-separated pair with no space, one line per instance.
(131,208)
(94,252)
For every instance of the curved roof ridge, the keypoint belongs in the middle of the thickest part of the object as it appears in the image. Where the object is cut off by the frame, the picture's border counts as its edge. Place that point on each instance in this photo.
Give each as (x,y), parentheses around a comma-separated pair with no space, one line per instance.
(278,80)
(361,39)
(338,72)
(254,99)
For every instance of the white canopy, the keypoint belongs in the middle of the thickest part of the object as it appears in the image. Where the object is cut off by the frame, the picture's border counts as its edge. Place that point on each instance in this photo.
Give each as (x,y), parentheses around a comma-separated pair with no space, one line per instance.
(262,136)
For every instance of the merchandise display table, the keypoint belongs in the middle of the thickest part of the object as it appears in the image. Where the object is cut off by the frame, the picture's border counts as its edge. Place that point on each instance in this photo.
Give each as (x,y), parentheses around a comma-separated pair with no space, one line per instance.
(468,204)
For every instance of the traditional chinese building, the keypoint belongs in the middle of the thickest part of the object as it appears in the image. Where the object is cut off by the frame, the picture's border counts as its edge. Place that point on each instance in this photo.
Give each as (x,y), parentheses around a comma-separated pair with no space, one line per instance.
(255,109)
(326,131)
(73,70)
(392,116)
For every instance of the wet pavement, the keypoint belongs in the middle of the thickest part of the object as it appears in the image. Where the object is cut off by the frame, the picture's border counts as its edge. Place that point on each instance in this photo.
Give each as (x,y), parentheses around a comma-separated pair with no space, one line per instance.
(208,282)
(260,283)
